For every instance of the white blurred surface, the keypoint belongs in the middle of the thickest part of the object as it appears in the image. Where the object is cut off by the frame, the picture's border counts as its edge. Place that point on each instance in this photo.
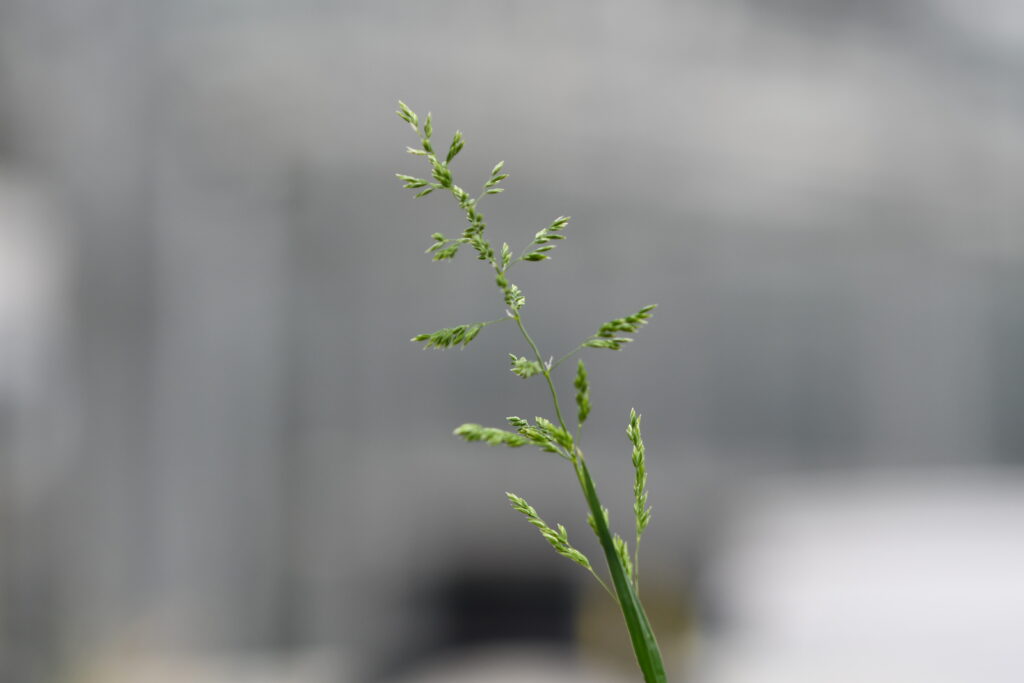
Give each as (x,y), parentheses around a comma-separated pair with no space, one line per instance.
(153,667)
(873,578)
(511,665)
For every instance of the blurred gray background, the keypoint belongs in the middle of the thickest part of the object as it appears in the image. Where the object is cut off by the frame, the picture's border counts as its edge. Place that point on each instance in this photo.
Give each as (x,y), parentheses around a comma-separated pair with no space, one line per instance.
(220,457)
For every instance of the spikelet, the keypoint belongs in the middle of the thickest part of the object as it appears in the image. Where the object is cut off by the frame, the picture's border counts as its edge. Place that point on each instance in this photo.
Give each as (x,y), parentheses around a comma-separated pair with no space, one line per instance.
(559,539)
(641,510)
(582,393)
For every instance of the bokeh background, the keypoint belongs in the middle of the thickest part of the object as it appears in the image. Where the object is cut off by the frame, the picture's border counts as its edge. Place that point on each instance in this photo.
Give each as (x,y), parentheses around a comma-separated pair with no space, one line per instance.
(222,460)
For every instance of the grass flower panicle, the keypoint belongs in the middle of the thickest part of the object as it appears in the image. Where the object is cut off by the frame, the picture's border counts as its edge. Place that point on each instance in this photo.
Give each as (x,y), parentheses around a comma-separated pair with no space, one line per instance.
(550,436)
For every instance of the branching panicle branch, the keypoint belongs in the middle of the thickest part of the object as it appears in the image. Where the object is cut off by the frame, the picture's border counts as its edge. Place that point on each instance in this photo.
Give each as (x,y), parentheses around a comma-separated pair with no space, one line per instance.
(549,436)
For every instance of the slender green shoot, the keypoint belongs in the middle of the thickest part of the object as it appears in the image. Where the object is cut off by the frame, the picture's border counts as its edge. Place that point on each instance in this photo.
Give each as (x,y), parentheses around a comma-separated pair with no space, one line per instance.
(549,436)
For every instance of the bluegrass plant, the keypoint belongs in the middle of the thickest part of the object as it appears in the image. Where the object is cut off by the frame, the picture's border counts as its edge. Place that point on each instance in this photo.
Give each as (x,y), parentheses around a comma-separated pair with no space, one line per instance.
(551,436)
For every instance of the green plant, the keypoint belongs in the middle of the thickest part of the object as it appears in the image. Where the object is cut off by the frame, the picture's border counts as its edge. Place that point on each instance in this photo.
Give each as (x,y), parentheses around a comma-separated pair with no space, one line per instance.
(549,436)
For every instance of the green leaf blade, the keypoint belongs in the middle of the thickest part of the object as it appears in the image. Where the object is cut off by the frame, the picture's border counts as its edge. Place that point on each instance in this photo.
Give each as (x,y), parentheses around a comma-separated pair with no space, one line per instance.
(645,646)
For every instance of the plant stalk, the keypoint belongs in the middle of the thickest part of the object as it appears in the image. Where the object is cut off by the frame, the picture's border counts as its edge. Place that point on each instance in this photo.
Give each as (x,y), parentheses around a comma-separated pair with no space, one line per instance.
(645,646)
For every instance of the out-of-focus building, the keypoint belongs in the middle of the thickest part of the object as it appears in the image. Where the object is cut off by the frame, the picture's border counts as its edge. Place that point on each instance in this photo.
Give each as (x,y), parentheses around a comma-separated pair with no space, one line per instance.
(216,437)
